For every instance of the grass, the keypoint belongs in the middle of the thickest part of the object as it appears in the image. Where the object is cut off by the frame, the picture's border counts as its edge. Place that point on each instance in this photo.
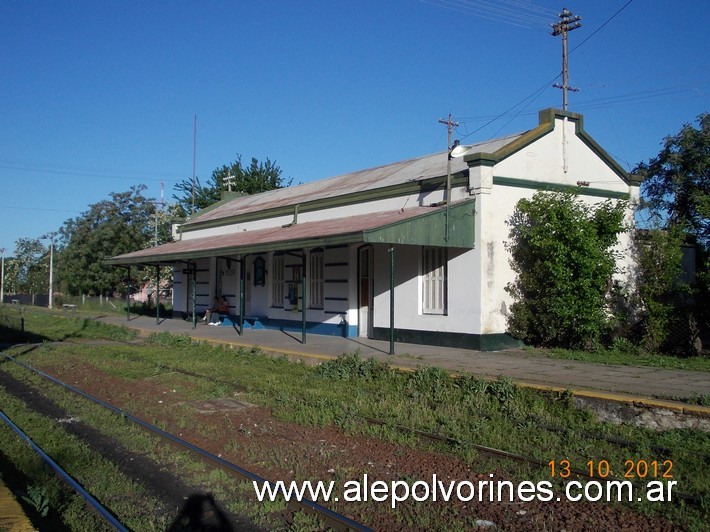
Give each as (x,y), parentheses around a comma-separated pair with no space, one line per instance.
(344,392)
(93,471)
(48,326)
(626,357)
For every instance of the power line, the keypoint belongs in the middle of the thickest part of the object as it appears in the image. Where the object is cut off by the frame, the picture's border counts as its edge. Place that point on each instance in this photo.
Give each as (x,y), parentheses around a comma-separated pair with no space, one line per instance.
(138,176)
(15,207)
(600,27)
(535,94)
(514,12)
(597,103)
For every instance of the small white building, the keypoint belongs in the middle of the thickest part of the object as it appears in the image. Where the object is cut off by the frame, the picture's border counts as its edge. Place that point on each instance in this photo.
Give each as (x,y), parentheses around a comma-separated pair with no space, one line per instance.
(381,253)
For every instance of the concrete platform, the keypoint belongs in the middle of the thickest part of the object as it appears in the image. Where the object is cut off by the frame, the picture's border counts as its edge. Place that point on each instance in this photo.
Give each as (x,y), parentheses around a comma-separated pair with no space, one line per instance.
(12,516)
(640,385)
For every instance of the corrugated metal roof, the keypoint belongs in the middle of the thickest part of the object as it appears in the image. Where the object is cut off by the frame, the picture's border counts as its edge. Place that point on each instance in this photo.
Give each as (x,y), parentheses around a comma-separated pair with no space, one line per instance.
(420,168)
(311,234)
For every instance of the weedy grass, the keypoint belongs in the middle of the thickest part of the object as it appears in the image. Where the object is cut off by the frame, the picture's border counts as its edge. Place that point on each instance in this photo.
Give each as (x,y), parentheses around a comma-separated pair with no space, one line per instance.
(97,474)
(53,327)
(148,515)
(466,408)
(623,355)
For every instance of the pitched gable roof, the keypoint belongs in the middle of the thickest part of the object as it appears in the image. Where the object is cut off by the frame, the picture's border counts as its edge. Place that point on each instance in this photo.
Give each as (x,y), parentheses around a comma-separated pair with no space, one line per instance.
(418,169)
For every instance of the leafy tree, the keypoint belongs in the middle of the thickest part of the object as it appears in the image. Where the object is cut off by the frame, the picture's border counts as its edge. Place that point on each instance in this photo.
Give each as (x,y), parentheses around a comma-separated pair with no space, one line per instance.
(676,182)
(12,276)
(561,252)
(255,178)
(112,227)
(664,292)
(676,197)
(29,268)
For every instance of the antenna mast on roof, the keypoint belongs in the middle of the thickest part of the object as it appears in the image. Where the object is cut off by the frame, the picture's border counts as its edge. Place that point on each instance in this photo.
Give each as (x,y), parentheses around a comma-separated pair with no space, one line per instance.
(567,23)
(162,204)
(194,161)
(229,180)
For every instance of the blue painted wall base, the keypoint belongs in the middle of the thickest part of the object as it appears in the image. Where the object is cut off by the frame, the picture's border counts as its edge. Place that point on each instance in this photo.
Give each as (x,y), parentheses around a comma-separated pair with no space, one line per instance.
(262,322)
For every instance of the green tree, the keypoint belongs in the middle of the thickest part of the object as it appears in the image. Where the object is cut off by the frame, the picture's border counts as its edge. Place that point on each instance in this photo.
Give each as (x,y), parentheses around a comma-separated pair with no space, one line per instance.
(561,252)
(252,179)
(676,184)
(664,292)
(30,266)
(676,198)
(112,227)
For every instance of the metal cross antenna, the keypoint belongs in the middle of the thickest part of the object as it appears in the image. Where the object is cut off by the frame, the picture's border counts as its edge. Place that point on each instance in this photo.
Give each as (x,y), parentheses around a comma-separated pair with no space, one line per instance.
(229,180)
(567,23)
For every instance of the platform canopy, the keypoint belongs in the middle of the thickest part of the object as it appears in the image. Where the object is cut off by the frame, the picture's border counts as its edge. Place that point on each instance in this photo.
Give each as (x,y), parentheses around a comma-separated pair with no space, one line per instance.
(425,226)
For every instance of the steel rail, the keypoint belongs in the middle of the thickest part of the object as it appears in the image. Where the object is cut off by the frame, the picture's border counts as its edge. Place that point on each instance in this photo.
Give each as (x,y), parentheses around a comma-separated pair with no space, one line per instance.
(75,485)
(332,519)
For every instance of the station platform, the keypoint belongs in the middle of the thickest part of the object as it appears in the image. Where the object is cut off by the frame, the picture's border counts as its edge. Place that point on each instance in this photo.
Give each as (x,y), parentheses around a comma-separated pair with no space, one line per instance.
(12,516)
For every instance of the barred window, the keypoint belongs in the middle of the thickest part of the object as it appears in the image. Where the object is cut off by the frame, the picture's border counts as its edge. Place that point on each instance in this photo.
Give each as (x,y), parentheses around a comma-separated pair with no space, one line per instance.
(277,281)
(315,294)
(434,280)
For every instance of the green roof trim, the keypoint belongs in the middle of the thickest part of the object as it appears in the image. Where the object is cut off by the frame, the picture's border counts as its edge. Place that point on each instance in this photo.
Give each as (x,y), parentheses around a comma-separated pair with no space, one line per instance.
(459,179)
(546,125)
(558,187)
(430,229)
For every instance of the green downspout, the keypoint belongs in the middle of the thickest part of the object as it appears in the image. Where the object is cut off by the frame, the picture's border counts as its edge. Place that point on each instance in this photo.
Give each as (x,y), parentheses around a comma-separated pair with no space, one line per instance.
(128,294)
(157,294)
(391,250)
(304,301)
(194,295)
(242,283)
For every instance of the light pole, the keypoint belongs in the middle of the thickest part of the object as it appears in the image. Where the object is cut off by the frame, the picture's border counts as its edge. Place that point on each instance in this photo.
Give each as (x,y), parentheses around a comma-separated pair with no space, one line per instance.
(51,236)
(2,277)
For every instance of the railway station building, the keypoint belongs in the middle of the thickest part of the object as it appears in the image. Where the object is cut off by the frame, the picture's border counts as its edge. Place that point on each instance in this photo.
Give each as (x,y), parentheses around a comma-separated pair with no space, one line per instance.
(413,251)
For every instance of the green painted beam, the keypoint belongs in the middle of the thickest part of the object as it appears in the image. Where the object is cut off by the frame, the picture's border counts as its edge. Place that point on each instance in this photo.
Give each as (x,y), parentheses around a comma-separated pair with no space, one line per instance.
(430,229)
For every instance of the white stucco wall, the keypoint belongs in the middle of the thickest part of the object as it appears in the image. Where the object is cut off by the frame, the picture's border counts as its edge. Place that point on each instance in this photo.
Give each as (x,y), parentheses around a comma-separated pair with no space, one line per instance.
(477,301)
(543,162)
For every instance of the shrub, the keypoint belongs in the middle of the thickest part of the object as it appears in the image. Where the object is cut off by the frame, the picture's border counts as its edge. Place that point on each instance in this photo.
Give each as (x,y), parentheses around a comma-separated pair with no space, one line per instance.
(352,366)
(561,251)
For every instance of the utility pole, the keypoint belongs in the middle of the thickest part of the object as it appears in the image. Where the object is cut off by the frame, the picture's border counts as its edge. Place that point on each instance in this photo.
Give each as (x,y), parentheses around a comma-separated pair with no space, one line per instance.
(194,163)
(450,125)
(567,23)
(50,236)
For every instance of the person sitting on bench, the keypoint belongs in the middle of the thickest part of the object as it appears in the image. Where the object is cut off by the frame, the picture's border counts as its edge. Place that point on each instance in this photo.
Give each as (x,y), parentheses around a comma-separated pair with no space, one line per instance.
(219,306)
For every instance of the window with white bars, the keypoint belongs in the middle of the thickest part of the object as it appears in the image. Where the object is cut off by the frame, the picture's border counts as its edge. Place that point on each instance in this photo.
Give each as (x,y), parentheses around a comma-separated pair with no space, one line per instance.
(277,281)
(315,294)
(434,280)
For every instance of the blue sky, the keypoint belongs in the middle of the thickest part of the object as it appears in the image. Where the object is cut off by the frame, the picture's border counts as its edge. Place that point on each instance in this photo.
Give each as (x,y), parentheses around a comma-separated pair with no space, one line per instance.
(98,96)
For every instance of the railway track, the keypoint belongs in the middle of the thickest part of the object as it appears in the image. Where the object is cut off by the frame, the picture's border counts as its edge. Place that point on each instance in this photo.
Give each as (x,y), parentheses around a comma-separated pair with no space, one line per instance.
(661,451)
(686,498)
(330,518)
(90,500)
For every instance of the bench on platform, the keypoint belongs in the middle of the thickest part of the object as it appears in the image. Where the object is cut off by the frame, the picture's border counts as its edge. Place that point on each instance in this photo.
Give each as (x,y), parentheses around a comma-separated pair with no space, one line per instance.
(250,322)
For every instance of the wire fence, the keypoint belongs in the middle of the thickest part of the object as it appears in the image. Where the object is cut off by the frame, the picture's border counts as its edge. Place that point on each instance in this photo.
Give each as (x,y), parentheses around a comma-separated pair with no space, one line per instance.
(85,303)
